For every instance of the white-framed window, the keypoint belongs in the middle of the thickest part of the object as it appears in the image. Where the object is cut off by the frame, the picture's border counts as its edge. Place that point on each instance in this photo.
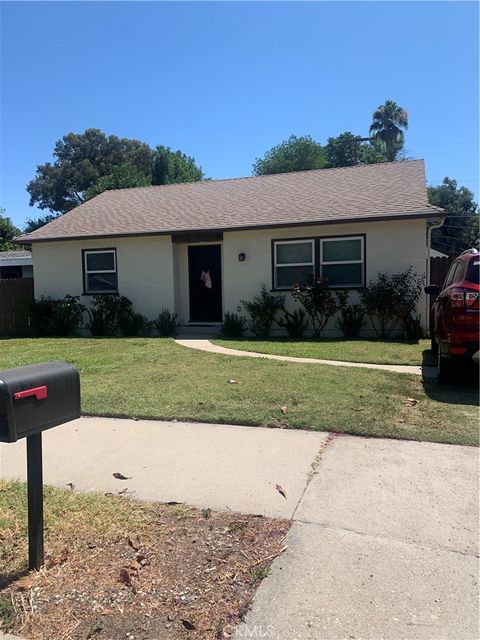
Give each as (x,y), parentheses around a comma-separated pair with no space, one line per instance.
(293,262)
(342,261)
(100,270)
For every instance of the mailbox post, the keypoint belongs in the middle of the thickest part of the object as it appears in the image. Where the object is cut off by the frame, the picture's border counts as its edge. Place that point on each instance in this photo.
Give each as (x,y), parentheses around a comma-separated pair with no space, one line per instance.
(33,399)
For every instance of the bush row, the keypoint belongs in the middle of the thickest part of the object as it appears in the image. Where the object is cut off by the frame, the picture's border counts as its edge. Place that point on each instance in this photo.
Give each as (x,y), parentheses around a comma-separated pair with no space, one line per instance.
(388,302)
(109,315)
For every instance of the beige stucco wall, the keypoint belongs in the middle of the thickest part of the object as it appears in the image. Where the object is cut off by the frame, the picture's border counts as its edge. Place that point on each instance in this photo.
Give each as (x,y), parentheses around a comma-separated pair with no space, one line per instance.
(144,267)
(391,246)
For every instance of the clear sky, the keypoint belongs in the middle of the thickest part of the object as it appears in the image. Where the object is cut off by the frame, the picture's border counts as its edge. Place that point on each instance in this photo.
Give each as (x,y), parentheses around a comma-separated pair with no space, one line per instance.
(226,81)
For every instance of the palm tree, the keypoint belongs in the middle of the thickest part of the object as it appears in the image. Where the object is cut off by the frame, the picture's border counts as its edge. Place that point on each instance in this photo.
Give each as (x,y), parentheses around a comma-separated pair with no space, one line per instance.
(387,124)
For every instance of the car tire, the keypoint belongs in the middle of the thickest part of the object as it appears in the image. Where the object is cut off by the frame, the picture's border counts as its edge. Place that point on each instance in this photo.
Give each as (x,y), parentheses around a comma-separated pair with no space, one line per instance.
(443,368)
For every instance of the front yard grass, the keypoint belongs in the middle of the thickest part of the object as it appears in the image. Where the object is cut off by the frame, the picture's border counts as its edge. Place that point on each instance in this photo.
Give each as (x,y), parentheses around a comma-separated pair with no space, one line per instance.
(156,378)
(369,351)
(119,568)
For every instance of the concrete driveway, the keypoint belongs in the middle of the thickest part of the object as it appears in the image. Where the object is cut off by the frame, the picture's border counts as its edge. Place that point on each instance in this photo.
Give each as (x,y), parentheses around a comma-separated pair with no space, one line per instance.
(384,540)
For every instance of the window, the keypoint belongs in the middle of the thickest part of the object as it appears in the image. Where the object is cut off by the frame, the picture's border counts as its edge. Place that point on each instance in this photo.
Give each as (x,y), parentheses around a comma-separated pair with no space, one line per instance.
(100,271)
(452,274)
(342,261)
(293,263)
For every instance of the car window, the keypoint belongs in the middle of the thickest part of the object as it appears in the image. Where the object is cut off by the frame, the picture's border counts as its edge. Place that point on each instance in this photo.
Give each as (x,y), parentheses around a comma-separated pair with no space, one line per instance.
(454,269)
(473,271)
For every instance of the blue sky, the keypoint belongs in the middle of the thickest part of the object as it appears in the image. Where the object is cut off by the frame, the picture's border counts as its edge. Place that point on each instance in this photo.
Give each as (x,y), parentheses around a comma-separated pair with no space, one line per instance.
(226,81)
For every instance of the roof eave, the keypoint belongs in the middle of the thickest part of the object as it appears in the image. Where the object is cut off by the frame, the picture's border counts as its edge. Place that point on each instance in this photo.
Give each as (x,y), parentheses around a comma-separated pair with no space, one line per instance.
(437,213)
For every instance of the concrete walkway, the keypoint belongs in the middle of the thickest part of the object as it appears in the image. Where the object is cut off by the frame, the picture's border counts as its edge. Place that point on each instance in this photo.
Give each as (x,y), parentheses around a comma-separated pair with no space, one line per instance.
(384,539)
(205,345)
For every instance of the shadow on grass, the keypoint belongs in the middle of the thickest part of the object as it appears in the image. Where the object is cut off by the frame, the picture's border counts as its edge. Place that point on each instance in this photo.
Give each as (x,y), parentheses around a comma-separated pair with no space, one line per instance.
(7,577)
(464,388)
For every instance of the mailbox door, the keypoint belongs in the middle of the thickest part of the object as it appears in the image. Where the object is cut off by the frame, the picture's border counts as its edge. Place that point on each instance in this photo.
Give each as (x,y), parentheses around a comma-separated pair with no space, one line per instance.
(38,397)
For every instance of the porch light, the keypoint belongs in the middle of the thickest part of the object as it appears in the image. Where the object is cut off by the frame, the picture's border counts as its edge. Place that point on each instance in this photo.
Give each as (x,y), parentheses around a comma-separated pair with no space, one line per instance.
(241,257)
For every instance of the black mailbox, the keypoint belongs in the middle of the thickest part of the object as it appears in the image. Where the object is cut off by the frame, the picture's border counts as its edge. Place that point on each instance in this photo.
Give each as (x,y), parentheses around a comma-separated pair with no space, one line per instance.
(37,397)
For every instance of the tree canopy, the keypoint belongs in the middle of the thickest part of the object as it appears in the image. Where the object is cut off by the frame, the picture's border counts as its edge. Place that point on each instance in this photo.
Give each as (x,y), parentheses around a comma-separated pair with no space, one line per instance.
(294,154)
(460,231)
(88,163)
(8,231)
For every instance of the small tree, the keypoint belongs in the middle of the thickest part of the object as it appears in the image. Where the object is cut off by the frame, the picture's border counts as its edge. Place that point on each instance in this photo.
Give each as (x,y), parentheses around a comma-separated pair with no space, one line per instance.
(391,299)
(262,310)
(320,302)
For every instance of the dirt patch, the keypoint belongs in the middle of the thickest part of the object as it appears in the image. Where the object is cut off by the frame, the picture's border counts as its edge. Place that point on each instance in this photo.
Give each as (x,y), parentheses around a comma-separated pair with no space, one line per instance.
(183,573)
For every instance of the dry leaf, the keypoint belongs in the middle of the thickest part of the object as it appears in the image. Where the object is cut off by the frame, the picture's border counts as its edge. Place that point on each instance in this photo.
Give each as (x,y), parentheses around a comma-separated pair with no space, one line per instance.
(71,485)
(25,583)
(232,381)
(284,410)
(134,545)
(411,402)
(281,491)
(188,625)
(126,578)
(120,476)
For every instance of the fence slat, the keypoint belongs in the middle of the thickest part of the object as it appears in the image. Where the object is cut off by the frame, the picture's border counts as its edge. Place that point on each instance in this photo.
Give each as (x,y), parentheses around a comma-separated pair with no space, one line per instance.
(15,296)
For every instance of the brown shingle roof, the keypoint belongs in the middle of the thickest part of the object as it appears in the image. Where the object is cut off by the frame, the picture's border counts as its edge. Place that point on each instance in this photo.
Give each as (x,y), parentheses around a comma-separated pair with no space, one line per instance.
(326,195)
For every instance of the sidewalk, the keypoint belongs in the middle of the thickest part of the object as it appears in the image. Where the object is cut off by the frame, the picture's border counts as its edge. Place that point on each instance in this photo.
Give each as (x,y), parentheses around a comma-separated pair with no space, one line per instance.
(384,540)
(205,345)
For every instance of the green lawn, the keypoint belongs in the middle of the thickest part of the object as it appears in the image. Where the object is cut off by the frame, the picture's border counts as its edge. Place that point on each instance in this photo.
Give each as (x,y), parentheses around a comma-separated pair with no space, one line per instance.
(156,378)
(372,351)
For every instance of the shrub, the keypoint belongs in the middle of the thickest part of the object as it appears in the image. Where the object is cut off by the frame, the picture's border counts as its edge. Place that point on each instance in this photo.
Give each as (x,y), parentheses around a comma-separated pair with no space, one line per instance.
(166,323)
(413,327)
(262,310)
(391,299)
(50,317)
(295,323)
(111,315)
(233,325)
(135,324)
(351,320)
(319,302)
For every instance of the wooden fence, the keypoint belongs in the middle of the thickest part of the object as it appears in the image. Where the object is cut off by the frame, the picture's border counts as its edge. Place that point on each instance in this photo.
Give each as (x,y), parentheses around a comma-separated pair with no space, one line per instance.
(438,269)
(15,296)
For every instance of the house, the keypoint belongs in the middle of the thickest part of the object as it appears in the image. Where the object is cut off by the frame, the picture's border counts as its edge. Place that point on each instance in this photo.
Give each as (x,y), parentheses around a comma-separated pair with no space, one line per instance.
(15,265)
(201,248)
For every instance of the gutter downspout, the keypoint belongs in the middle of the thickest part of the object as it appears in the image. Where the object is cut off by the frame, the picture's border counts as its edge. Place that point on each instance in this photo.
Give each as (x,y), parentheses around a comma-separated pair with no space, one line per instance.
(430,228)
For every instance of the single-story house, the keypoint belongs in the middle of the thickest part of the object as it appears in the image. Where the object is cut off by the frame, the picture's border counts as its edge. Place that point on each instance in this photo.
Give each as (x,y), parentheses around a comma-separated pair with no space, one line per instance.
(201,248)
(15,265)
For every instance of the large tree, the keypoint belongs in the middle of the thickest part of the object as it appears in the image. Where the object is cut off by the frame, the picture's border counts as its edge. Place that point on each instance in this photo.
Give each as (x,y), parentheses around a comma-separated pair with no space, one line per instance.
(86,164)
(295,154)
(8,231)
(171,167)
(388,122)
(460,230)
(348,150)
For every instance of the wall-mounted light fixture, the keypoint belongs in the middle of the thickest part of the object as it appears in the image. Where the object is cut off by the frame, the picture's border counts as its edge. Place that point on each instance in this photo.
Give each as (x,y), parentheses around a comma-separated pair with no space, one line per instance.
(241,257)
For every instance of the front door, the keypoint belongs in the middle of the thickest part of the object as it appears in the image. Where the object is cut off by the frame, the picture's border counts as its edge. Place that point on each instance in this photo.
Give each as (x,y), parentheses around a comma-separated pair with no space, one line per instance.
(205,283)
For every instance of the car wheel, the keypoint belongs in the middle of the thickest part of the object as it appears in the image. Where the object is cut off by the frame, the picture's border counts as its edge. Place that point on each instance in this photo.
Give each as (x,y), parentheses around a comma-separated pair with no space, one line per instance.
(443,368)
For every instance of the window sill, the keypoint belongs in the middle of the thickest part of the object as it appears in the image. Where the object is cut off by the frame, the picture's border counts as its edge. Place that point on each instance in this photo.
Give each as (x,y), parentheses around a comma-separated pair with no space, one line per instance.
(100,293)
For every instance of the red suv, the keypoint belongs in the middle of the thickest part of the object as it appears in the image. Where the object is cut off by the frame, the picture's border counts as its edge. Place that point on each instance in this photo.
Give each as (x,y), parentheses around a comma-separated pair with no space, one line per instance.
(456,314)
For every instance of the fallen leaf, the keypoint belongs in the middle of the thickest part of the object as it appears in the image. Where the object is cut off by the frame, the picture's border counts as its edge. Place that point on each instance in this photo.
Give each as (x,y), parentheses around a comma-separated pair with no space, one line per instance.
(25,583)
(281,491)
(188,625)
(284,410)
(126,578)
(71,485)
(120,476)
(411,402)
(232,381)
(134,545)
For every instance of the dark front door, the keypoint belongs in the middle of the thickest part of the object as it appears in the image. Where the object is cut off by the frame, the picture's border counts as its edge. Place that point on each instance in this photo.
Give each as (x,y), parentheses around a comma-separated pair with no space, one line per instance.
(205,283)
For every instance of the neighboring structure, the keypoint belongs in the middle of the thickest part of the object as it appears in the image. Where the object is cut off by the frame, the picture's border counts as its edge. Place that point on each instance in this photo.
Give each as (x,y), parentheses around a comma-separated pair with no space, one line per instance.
(15,265)
(201,248)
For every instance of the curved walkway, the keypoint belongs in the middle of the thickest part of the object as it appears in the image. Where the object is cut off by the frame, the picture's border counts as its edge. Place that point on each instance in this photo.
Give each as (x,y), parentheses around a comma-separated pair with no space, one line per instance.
(205,345)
